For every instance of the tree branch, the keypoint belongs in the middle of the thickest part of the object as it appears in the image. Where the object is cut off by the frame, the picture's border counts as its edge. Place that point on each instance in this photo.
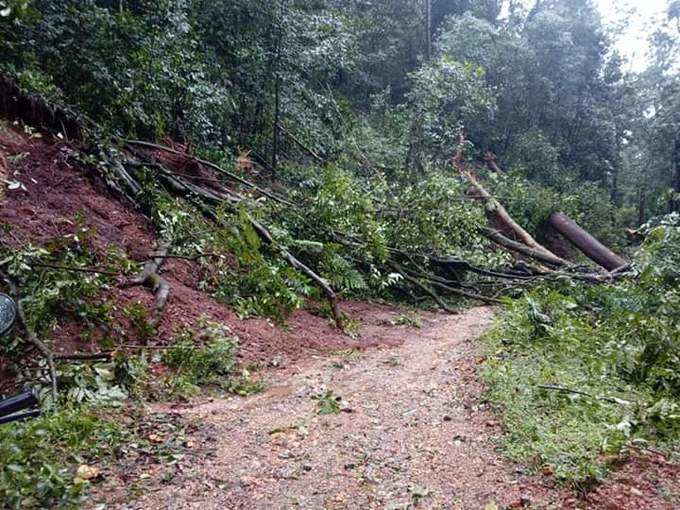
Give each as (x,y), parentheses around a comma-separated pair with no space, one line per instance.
(33,338)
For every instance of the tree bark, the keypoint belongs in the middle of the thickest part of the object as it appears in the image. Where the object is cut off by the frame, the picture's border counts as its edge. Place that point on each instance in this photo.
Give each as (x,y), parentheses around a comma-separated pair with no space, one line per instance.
(428,9)
(584,241)
(642,213)
(540,255)
(501,214)
(277,91)
(675,200)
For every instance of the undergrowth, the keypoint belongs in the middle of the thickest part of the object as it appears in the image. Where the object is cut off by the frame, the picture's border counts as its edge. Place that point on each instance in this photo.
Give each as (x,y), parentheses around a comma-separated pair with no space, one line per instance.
(39,459)
(53,461)
(582,373)
(209,364)
(46,462)
(55,281)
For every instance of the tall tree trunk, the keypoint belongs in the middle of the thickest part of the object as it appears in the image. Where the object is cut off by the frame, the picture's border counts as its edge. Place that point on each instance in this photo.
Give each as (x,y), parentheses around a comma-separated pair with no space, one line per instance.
(675,180)
(428,13)
(275,128)
(642,214)
(615,194)
(277,90)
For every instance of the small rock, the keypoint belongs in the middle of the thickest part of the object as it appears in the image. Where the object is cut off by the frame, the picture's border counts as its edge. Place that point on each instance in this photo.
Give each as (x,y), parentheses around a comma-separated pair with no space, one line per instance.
(86,472)
(522,502)
(548,470)
(447,418)
(349,466)
(636,492)
(307,467)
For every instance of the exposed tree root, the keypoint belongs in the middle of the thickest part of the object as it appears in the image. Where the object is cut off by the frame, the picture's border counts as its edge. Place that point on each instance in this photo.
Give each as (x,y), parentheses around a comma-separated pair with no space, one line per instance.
(150,277)
(35,110)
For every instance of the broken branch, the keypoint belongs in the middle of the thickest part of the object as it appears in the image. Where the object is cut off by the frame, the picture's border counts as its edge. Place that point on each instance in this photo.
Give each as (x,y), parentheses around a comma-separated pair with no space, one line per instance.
(33,337)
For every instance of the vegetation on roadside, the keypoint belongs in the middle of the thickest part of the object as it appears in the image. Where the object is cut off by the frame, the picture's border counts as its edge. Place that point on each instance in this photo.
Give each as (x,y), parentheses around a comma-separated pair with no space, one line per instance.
(53,460)
(328,402)
(205,362)
(40,460)
(410,319)
(331,127)
(582,373)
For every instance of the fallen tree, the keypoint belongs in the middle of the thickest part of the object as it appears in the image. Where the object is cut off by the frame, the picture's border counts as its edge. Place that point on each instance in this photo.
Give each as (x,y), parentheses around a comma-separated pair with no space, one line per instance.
(527,245)
(542,256)
(122,165)
(584,241)
(499,215)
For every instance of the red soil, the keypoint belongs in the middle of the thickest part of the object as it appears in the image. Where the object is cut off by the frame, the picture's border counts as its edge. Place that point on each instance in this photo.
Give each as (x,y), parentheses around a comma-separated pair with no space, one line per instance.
(60,193)
(57,191)
(646,481)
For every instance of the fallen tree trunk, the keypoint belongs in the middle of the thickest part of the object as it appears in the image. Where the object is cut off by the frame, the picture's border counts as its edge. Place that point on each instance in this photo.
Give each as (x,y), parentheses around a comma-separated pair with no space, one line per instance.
(544,256)
(299,143)
(437,299)
(327,290)
(584,241)
(499,212)
(32,337)
(217,168)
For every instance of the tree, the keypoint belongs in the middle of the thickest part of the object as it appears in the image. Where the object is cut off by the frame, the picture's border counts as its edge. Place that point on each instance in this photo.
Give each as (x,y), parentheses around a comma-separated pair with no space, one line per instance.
(553,80)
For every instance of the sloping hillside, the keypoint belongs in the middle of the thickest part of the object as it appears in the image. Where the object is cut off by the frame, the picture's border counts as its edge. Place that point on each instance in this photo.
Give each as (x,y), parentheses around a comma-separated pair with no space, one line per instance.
(51,200)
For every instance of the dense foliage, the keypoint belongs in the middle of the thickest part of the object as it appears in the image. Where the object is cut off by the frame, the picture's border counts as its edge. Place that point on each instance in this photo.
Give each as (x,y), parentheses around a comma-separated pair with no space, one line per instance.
(350,112)
(541,88)
(583,371)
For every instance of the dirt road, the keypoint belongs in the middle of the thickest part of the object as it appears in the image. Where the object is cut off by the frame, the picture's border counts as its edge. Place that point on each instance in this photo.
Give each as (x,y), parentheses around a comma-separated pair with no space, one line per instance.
(412,432)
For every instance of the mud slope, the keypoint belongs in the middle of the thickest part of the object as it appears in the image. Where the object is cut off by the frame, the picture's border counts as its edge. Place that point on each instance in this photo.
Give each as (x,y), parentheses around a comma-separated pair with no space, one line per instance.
(58,195)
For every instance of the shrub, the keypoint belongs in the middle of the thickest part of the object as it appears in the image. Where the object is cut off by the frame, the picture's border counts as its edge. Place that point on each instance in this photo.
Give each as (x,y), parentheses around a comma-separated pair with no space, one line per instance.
(613,349)
(38,459)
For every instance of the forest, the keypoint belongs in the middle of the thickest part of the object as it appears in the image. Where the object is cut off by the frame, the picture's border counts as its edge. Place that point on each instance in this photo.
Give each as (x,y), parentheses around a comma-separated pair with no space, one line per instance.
(236,235)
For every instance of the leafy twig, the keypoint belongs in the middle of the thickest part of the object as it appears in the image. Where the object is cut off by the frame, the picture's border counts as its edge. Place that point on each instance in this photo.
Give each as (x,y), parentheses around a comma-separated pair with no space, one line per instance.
(32,337)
